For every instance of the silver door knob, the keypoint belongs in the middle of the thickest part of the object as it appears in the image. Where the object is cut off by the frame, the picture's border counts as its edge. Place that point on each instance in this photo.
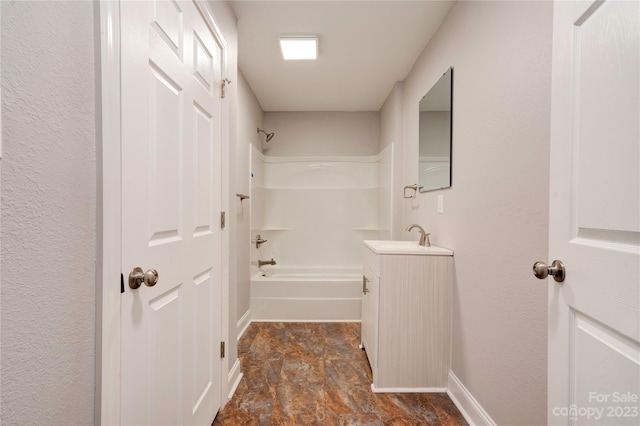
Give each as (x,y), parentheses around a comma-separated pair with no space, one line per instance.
(137,277)
(556,270)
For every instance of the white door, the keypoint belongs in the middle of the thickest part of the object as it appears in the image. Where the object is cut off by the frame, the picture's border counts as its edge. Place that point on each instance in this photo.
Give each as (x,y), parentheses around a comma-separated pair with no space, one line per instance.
(594,315)
(171,202)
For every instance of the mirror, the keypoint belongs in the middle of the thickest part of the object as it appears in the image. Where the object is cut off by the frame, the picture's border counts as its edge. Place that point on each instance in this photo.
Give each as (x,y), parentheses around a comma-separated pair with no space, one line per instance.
(435,135)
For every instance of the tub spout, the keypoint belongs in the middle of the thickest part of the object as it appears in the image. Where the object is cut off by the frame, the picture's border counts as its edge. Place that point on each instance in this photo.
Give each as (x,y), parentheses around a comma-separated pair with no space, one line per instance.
(261,263)
(424,237)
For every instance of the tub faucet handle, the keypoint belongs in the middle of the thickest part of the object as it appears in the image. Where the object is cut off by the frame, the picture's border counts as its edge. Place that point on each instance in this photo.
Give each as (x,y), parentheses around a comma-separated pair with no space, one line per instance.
(259,241)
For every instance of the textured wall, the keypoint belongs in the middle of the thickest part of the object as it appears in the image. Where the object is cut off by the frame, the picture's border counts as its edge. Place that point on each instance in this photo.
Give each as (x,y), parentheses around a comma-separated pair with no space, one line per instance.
(48,213)
(323,133)
(496,213)
(391,132)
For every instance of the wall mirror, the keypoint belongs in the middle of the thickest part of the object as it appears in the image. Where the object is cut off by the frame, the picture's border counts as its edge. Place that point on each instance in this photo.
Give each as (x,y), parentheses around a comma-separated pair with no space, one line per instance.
(435,135)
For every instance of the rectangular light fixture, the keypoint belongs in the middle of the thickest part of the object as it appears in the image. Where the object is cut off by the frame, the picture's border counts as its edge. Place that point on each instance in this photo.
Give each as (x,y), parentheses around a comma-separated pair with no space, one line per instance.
(294,48)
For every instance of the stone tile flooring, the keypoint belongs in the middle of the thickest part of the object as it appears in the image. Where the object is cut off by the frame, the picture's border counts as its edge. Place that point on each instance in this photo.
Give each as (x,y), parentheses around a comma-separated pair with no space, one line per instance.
(315,374)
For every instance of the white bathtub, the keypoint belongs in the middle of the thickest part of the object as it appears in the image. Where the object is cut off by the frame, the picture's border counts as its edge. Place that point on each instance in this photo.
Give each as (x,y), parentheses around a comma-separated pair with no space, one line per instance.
(281,293)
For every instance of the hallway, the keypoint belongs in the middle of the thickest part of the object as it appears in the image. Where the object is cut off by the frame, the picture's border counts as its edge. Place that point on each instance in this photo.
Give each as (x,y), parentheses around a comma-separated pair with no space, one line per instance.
(314,373)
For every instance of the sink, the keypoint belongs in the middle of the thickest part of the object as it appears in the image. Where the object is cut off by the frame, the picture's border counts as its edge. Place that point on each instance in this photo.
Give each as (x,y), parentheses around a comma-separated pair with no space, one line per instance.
(405,247)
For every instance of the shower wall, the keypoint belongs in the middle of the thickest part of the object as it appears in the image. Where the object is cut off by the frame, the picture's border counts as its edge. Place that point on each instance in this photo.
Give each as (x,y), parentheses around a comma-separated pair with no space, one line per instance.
(316,211)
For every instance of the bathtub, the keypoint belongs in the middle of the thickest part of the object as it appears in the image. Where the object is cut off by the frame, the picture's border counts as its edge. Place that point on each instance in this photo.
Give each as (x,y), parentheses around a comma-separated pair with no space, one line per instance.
(280,293)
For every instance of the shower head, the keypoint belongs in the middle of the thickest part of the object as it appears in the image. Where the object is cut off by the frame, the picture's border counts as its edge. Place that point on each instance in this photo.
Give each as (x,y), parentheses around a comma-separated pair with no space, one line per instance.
(268,135)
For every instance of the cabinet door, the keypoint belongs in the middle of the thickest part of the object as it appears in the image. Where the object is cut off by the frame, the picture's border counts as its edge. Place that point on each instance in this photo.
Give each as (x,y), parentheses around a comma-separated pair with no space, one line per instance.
(370,317)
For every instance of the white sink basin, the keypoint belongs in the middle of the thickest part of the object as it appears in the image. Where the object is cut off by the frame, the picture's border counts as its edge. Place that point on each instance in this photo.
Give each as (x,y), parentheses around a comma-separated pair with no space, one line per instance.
(405,247)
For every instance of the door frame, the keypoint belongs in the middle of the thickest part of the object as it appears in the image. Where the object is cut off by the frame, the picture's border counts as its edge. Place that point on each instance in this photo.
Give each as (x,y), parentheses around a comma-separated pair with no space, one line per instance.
(108,214)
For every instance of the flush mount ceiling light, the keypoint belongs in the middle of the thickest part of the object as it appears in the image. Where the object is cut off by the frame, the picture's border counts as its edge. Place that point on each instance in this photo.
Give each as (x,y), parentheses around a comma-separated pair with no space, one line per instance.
(299,47)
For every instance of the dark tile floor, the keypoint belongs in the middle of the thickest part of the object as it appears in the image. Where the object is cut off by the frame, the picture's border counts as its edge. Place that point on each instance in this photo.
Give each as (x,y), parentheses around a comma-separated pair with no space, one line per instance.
(314,374)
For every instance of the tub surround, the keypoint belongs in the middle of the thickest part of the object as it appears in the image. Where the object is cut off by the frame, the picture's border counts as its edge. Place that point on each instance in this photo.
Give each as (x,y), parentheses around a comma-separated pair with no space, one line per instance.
(314,213)
(306,294)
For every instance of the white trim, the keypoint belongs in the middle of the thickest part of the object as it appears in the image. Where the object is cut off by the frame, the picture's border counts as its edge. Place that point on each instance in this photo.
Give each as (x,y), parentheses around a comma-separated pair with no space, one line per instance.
(407,390)
(244,323)
(233,379)
(107,410)
(108,302)
(469,407)
(207,15)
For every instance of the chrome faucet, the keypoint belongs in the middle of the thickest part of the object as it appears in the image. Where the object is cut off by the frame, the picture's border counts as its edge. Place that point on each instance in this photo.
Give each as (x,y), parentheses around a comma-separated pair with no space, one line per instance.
(261,263)
(424,237)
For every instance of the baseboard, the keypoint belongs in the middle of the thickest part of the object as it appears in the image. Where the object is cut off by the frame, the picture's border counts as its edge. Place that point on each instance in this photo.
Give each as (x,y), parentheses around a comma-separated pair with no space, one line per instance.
(407,390)
(471,409)
(234,378)
(243,323)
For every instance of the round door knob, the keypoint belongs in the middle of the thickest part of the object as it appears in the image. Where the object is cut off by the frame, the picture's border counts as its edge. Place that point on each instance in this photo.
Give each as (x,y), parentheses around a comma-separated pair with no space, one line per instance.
(150,277)
(556,270)
(137,277)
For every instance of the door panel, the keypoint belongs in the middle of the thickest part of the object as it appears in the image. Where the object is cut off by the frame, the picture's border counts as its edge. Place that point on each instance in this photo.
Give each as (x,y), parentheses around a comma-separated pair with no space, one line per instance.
(168,19)
(171,201)
(594,316)
(203,170)
(165,155)
(203,346)
(596,345)
(165,337)
(606,106)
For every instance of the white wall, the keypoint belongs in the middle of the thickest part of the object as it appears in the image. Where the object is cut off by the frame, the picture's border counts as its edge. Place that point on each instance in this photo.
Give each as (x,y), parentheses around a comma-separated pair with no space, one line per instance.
(249,119)
(48,213)
(391,131)
(322,133)
(496,213)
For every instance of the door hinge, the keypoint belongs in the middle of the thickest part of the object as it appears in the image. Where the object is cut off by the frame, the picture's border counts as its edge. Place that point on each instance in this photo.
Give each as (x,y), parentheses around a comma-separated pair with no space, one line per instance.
(223,220)
(223,91)
(221,349)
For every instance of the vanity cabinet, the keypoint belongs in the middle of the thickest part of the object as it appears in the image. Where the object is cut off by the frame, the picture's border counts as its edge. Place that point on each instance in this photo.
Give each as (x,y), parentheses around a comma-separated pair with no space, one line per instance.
(406,316)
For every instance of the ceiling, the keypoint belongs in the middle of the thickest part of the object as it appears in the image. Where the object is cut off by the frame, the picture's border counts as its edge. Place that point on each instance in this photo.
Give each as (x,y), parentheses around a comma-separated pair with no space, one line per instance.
(364,47)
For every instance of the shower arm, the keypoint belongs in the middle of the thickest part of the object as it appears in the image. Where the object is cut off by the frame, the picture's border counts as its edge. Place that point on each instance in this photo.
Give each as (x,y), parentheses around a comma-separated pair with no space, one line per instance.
(268,136)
